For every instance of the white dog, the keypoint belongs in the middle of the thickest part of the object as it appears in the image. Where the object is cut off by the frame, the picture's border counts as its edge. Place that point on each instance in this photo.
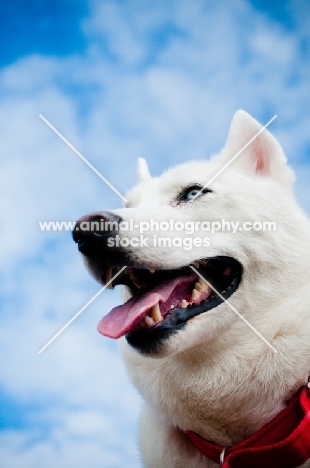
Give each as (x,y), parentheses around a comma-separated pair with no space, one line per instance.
(224,376)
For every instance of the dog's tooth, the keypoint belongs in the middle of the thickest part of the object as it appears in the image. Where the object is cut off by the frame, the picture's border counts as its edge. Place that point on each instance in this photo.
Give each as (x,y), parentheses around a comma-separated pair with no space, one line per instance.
(198,286)
(205,287)
(149,321)
(196,264)
(184,303)
(152,270)
(108,277)
(203,284)
(156,314)
(195,295)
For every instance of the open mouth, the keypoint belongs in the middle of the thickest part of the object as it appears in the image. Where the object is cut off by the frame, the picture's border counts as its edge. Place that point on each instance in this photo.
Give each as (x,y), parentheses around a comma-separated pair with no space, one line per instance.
(163,301)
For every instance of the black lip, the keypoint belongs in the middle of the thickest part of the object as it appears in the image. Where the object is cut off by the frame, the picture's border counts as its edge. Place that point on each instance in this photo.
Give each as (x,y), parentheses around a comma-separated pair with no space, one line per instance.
(151,340)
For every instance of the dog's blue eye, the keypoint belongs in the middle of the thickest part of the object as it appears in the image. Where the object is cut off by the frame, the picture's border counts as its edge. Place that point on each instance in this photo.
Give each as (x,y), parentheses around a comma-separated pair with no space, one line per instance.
(191,193)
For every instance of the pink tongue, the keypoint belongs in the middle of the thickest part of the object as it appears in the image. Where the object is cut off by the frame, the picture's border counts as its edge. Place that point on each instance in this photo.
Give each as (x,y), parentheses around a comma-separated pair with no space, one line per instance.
(122,319)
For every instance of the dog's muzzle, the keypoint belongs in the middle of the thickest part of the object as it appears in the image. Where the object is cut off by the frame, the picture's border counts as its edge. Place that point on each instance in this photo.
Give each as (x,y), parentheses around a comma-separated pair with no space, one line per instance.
(92,231)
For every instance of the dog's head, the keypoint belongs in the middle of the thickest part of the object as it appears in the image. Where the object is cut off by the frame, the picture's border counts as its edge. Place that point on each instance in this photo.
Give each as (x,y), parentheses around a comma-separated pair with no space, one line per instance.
(171,307)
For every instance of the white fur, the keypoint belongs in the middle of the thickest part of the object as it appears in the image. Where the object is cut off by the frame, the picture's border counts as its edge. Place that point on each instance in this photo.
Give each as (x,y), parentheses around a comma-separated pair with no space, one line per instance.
(143,170)
(215,376)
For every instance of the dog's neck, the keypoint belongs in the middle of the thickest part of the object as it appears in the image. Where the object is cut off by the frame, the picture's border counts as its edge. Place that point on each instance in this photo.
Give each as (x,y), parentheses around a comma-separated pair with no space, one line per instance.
(239,387)
(230,409)
(225,396)
(225,389)
(285,439)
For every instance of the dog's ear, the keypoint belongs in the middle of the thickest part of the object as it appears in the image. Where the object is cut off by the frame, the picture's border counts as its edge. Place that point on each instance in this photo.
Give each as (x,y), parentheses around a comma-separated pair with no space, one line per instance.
(143,170)
(262,156)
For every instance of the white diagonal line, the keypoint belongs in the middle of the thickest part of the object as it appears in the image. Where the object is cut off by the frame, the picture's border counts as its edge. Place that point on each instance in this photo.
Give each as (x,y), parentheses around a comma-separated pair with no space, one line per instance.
(234,157)
(234,310)
(80,311)
(83,158)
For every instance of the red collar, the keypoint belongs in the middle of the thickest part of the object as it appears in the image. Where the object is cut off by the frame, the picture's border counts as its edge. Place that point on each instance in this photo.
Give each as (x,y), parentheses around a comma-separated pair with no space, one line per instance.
(283,442)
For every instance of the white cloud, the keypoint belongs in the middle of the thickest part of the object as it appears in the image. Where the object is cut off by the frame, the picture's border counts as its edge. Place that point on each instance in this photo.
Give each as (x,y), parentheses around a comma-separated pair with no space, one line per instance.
(20,449)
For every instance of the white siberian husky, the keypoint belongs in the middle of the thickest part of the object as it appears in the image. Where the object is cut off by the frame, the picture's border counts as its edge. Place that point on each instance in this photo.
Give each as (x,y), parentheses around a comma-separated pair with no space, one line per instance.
(209,382)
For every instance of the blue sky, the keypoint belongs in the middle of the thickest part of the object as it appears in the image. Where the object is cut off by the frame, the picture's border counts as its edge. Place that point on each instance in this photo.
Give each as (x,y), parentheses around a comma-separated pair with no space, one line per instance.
(120,79)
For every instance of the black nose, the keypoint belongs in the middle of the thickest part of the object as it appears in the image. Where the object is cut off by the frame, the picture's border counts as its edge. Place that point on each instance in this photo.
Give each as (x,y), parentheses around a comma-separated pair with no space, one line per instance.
(92,230)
